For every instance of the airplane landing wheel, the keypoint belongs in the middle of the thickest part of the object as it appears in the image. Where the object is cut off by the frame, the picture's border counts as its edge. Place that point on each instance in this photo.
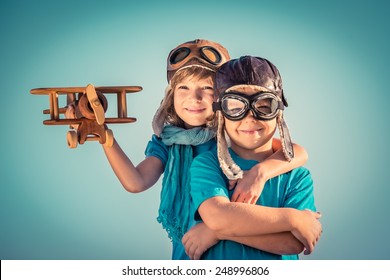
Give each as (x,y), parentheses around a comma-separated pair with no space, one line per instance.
(109,138)
(71,138)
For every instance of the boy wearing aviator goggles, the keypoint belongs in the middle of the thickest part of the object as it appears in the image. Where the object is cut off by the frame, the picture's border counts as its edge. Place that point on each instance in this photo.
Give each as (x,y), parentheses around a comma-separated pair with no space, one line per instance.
(249,110)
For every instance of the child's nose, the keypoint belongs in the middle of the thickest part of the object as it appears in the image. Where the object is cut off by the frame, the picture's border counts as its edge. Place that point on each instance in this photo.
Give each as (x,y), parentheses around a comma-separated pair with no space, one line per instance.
(249,116)
(196,95)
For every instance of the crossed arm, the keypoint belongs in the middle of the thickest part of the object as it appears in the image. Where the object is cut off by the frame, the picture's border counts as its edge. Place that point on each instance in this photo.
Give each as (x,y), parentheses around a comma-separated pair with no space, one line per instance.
(281,231)
(200,238)
(241,220)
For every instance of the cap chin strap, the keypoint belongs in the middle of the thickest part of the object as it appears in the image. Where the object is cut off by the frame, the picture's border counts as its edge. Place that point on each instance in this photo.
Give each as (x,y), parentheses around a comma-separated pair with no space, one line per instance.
(287,147)
(228,166)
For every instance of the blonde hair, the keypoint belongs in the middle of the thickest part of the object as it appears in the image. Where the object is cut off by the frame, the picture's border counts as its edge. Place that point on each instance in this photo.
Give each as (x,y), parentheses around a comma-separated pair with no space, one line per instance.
(166,114)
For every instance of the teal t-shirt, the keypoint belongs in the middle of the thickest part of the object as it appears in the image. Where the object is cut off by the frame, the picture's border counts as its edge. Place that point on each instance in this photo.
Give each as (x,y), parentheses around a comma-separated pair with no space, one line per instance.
(159,150)
(293,189)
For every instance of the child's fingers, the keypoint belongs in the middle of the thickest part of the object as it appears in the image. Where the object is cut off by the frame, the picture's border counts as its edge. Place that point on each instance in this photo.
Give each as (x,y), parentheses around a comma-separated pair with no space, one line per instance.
(237,196)
(184,239)
(244,197)
(317,214)
(232,184)
(197,254)
(253,200)
(234,197)
(189,247)
(240,197)
(190,251)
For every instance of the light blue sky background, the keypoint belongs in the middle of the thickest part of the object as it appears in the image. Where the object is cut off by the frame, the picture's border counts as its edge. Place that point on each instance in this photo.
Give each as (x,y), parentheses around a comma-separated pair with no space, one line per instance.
(58,203)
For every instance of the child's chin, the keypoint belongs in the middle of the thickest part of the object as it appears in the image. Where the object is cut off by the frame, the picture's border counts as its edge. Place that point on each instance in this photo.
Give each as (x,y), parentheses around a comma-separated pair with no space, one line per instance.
(193,124)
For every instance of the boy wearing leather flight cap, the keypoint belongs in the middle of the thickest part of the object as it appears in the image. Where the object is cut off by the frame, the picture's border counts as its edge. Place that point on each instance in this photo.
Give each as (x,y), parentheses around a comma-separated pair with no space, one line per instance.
(283,222)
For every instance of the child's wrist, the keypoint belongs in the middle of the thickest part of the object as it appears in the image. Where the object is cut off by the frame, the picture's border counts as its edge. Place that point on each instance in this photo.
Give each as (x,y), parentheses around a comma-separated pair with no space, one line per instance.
(291,218)
(262,174)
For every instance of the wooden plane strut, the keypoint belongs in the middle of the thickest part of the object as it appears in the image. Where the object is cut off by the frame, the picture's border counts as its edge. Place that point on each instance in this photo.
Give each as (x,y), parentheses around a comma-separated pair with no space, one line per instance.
(89,104)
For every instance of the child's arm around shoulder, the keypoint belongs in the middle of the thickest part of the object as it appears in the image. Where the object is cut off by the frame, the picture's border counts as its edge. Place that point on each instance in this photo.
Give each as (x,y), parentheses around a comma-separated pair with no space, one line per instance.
(133,178)
(249,188)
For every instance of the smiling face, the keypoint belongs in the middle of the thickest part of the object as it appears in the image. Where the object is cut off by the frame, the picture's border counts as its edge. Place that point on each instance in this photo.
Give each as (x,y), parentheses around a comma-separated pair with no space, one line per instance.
(193,100)
(250,138)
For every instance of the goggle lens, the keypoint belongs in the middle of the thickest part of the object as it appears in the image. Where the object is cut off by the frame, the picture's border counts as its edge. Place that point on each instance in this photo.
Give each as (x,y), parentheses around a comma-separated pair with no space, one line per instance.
(179,55)
(211,55)
(266,106)
(233,107)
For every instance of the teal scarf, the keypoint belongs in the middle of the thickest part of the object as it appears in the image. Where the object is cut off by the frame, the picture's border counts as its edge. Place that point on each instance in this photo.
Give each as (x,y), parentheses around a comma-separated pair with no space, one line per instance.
(175,201)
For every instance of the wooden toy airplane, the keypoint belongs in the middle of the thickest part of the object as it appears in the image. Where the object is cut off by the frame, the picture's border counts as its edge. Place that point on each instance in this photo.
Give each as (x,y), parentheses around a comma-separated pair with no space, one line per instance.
(88,121)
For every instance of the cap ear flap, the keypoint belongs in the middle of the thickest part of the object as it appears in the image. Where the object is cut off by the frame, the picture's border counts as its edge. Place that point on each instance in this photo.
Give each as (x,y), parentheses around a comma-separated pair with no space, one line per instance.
(160,116)
(228,166)
(287,147)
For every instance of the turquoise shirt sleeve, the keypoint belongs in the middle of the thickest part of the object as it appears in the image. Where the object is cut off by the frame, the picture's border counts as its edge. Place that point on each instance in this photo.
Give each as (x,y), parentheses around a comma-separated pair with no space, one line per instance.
(300,194)
(158,149)
(207,180)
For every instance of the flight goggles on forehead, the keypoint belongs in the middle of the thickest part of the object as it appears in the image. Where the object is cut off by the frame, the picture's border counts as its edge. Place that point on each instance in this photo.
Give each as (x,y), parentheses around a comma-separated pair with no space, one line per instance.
(182,55)
(235,105)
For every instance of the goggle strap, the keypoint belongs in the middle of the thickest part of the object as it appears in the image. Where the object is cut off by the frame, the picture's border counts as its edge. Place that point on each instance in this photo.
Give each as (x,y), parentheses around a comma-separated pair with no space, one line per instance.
(280,105)
(284,99)
(217,106)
